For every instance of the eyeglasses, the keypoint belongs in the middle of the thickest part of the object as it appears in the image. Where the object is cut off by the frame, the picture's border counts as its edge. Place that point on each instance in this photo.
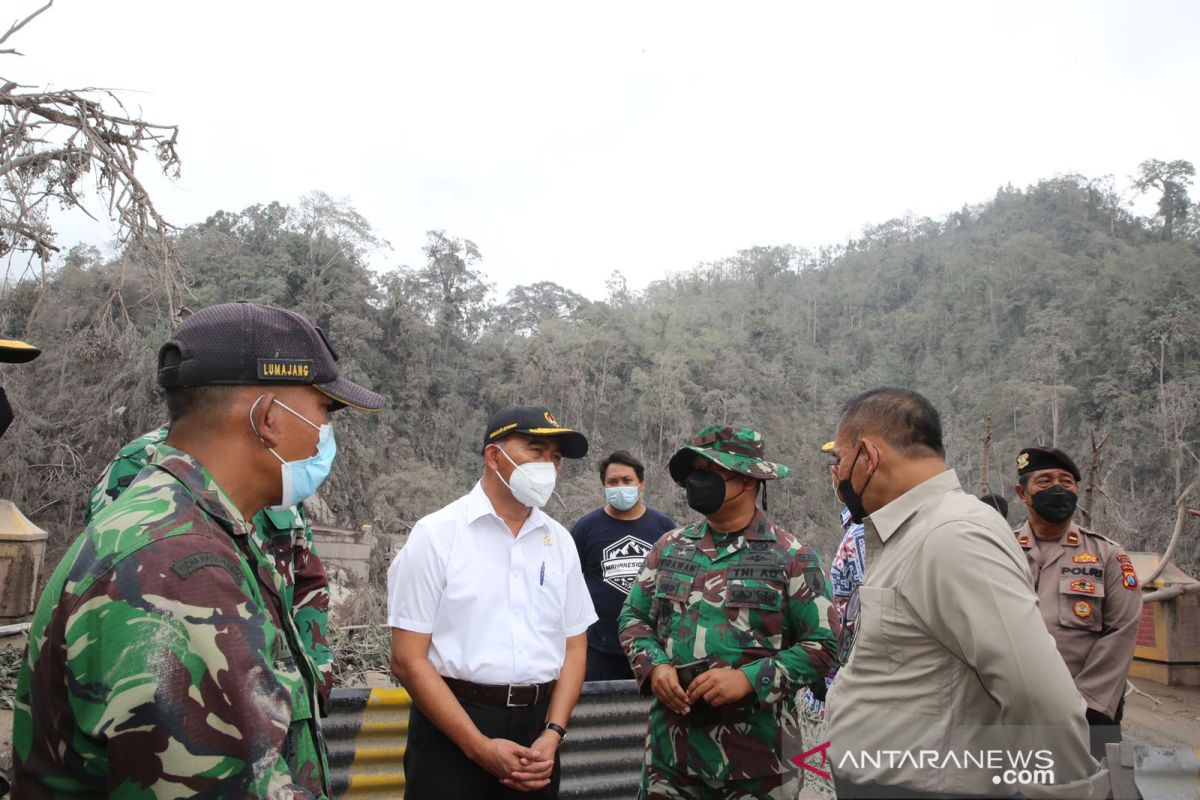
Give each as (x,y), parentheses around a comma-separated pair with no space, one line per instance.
(845,642)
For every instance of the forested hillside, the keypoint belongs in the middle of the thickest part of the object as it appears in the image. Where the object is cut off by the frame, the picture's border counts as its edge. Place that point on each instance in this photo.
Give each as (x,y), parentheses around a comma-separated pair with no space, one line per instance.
(1053,310)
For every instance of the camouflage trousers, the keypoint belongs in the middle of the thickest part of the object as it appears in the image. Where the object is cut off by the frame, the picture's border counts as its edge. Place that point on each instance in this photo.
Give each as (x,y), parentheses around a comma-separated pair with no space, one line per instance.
(668,784)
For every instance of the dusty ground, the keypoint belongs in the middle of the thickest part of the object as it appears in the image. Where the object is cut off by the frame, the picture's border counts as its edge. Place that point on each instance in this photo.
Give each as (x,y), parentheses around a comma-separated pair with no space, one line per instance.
(1174,721)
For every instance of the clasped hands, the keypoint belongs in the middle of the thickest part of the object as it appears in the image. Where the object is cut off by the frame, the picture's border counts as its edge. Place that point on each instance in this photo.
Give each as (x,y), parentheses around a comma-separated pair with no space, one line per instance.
(717,687)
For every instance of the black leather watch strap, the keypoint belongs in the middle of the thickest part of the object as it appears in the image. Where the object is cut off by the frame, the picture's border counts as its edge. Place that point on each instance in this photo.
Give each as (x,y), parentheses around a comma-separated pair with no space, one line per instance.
(559,729)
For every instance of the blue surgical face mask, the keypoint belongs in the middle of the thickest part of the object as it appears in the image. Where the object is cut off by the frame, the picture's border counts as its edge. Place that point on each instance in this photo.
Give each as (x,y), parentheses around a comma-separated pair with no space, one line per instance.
(302,478)
(621,498)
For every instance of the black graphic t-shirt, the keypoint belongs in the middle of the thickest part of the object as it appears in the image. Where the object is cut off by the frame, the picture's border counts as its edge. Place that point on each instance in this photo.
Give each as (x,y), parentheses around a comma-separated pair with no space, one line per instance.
(611,552)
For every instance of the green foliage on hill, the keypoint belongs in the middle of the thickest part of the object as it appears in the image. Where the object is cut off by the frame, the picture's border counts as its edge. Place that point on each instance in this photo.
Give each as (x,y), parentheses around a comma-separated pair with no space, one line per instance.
(1053,310)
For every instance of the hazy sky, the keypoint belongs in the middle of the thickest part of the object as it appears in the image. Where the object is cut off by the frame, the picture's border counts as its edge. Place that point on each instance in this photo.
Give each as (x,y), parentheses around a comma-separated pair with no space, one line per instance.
(569,140)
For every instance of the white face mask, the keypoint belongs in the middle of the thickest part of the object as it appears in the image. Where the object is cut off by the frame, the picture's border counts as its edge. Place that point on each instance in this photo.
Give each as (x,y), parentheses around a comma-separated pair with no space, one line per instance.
(532,483)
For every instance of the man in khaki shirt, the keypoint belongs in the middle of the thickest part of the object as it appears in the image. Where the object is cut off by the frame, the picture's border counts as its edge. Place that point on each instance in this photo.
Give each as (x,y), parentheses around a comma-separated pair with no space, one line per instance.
(952,686)
(1086,587)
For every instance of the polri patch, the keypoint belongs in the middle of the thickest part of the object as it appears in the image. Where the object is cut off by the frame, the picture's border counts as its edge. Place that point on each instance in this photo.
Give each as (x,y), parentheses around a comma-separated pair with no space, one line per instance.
(187,566)
(285,369)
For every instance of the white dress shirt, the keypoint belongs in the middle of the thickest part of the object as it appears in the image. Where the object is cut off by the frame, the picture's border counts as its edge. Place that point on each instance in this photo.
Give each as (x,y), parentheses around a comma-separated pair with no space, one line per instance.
(500,607)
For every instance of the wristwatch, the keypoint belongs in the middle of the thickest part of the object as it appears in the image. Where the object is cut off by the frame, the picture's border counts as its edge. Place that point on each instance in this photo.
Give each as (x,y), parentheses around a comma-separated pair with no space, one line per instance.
(559,729)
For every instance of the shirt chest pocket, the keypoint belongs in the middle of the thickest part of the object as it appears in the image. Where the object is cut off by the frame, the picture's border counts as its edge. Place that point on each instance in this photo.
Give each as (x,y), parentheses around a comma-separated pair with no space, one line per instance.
(548,595)
(674,579)
(1080,603)
(876,648)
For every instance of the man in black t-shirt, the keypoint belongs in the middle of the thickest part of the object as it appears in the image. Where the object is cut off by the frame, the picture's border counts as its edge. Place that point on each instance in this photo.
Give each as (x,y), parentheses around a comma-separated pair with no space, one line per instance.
(613,542)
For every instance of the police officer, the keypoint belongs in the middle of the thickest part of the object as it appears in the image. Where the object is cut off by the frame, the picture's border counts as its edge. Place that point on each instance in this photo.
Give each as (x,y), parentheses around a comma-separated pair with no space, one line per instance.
(161,660)
(1086,586)
(727,620)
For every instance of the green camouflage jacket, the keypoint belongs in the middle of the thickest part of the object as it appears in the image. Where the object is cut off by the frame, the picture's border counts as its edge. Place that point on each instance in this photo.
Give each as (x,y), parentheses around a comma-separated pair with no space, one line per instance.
(160,661)
(283,536)
(755,601)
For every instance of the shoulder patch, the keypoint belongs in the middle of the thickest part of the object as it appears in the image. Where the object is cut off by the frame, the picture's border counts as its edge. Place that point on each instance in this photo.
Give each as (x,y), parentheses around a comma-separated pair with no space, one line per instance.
(188,565)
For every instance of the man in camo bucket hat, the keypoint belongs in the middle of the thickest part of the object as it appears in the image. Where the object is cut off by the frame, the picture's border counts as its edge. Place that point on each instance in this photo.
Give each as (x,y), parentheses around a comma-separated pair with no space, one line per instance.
(727,620)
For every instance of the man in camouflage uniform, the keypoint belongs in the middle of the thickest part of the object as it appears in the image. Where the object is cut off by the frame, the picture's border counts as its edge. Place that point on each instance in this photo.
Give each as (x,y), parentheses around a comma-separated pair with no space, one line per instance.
(748,599)
(283,536)
(162,661)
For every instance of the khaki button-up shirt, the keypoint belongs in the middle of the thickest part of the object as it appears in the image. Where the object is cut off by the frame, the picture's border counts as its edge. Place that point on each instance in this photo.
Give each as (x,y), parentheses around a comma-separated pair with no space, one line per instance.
(952,659)
(1091,603)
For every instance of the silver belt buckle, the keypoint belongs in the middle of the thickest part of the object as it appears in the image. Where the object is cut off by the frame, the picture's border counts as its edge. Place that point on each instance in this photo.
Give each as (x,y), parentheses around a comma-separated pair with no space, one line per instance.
(509,701)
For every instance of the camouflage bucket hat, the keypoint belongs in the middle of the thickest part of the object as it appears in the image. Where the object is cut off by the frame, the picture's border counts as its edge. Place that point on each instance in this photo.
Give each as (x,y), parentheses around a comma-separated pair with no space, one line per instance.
(738,450)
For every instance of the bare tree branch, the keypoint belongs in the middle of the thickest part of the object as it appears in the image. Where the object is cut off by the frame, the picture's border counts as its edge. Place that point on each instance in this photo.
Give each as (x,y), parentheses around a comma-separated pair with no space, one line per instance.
(58,147)
(16,26)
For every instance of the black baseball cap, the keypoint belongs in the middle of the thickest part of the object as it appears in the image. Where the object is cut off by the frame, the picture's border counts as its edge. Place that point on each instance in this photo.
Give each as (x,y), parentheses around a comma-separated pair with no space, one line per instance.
(246,344)
(535,421)
(1032,459)
(14,351)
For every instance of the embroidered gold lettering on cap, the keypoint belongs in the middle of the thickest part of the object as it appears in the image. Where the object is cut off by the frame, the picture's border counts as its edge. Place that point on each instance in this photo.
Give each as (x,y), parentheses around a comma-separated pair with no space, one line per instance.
(285,369)
(499,431)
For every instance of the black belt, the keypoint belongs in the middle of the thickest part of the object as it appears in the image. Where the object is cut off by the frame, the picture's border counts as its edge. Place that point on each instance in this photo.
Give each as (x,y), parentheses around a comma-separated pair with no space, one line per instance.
(510,696)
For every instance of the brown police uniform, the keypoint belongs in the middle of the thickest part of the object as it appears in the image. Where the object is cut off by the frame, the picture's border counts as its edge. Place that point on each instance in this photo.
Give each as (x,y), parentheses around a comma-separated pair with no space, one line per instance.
(1091,603)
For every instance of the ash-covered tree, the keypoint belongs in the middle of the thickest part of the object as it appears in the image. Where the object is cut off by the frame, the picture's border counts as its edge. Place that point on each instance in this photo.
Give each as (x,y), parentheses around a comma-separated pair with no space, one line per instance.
(79,148)
(1171,179)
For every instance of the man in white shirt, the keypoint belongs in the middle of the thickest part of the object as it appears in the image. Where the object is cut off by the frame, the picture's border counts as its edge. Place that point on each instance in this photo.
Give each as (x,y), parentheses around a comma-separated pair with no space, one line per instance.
(489,615)
(953,687)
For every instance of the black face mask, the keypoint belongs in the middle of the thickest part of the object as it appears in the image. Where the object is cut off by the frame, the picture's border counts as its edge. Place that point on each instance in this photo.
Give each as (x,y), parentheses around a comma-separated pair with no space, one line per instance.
(1056,504)
(6,412)
(705,491)
(853,499)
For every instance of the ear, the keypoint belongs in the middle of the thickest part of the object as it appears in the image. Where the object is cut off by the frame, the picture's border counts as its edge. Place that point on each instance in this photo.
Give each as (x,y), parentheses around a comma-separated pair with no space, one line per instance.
(872,451)
(267,419)
(1020,490)
(492,458)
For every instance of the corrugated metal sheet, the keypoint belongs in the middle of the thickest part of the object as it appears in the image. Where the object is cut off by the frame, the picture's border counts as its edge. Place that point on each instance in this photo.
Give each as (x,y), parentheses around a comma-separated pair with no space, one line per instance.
(602,756)
(367,729)
(366,732)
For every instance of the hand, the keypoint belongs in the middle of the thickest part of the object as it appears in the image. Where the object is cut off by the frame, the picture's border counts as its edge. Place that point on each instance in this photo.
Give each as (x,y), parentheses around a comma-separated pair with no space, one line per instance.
(664,682)
(719,687)
(534,774)
(503,758)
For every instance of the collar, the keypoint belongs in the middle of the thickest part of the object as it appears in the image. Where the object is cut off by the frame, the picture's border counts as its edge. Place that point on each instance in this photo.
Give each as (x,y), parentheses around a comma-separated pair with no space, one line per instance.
(760,528)
(201,485)
(892,517)
(1073,537)
(479,506)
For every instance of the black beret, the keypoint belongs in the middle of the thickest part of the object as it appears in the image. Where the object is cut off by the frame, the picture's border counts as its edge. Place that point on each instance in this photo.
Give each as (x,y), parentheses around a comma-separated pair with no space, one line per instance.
(1031,459)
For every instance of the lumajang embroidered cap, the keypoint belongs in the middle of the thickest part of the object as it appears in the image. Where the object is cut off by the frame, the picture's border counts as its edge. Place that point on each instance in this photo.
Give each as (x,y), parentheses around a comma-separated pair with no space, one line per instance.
(246,344)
